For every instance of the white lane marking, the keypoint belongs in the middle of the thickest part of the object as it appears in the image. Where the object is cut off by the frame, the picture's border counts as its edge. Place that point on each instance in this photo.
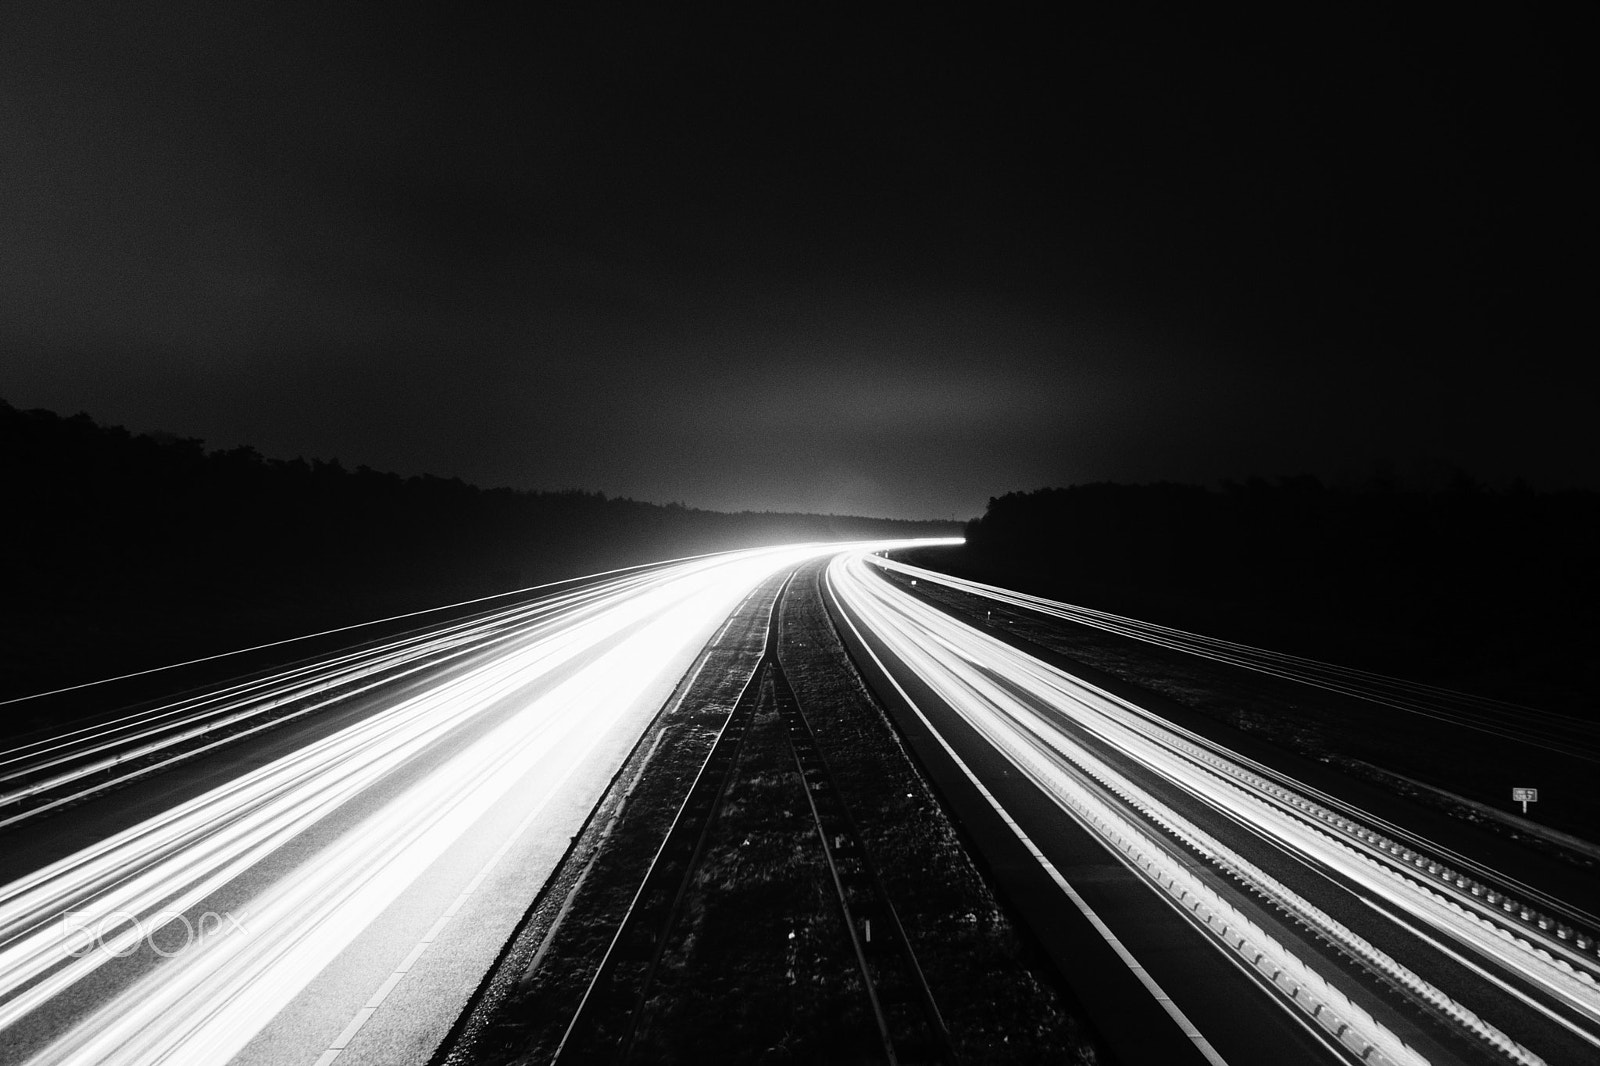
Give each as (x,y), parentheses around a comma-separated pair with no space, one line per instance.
(350,1030)
(384,989)
(361,1016)
(421,946)
(410,960)
(1187,1027)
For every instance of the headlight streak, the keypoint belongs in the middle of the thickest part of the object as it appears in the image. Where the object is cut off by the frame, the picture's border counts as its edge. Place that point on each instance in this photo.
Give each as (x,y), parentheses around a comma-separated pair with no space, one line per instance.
(84,752)
(1544,729)
(964,666)
(889,614)
(1302,828)
(643,570)
(557,679)
(1546,937)
(315,917)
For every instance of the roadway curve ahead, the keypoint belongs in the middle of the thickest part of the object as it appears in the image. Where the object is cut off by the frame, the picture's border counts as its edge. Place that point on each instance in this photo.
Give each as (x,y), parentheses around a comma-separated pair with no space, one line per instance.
(321,864)
(1261,920)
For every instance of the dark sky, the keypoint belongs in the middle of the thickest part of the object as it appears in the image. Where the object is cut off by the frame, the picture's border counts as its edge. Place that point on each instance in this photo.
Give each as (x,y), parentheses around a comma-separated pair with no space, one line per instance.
(807,258)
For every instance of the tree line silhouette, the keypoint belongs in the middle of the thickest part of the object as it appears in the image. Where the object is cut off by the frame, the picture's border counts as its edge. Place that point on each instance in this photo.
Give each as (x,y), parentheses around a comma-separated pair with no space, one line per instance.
(1495,589)
(127,550)
(132,550)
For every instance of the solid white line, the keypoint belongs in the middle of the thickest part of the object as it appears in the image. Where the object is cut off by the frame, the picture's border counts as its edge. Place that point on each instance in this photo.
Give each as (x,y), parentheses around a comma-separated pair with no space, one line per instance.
(1184,1024)
(393,979)
(684,688)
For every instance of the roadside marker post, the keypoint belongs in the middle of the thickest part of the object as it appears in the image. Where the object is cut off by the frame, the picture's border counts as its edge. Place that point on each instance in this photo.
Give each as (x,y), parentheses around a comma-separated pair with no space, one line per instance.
(1524,796)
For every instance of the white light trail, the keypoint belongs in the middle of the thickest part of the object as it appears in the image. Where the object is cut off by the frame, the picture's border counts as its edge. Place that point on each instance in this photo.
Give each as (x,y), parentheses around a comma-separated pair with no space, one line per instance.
(1038,717)
(1542,728)
(525,694)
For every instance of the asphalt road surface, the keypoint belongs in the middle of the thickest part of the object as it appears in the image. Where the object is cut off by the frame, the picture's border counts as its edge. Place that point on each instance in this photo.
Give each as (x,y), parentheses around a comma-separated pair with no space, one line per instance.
(187,885)
(321,863)
(1269,920)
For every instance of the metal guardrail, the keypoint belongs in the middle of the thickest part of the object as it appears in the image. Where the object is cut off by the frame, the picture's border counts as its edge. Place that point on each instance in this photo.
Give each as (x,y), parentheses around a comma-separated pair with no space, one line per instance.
(1305,989)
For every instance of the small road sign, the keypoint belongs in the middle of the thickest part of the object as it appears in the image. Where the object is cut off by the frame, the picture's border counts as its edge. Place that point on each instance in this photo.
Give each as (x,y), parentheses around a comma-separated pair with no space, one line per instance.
(1524,796)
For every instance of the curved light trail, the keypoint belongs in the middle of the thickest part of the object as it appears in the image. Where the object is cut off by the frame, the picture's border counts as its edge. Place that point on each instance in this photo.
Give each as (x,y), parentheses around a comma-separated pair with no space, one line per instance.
(1556,732)
(184,932)
(1161,797)
(302,852)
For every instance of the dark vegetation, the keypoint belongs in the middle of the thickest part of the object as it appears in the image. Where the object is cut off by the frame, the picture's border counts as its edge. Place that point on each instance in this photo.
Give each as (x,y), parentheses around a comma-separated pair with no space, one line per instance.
(757,967)
(995,986)
(1491,591)
(128,551)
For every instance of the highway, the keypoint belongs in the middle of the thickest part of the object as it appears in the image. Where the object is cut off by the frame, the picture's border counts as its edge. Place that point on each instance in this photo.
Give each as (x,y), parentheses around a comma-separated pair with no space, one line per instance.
(1371,944)
(320,864)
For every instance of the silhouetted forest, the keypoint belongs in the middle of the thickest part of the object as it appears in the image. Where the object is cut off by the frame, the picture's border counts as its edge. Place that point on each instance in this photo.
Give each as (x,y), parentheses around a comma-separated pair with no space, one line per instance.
(125,551)
(1494,590)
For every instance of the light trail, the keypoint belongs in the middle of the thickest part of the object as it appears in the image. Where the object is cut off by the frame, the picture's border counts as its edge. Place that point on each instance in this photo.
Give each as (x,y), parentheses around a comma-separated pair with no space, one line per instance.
(1553,925)
(1095,756)
(303,852)
(1554,732)
(51,764)
(106,954)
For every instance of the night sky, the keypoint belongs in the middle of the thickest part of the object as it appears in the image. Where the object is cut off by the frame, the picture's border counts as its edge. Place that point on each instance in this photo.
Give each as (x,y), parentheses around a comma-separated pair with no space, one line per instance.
(807,258)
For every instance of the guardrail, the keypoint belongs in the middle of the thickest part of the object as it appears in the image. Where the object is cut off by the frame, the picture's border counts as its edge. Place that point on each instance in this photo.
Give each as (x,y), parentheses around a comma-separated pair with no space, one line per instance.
(1288,975)
(1023,737)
